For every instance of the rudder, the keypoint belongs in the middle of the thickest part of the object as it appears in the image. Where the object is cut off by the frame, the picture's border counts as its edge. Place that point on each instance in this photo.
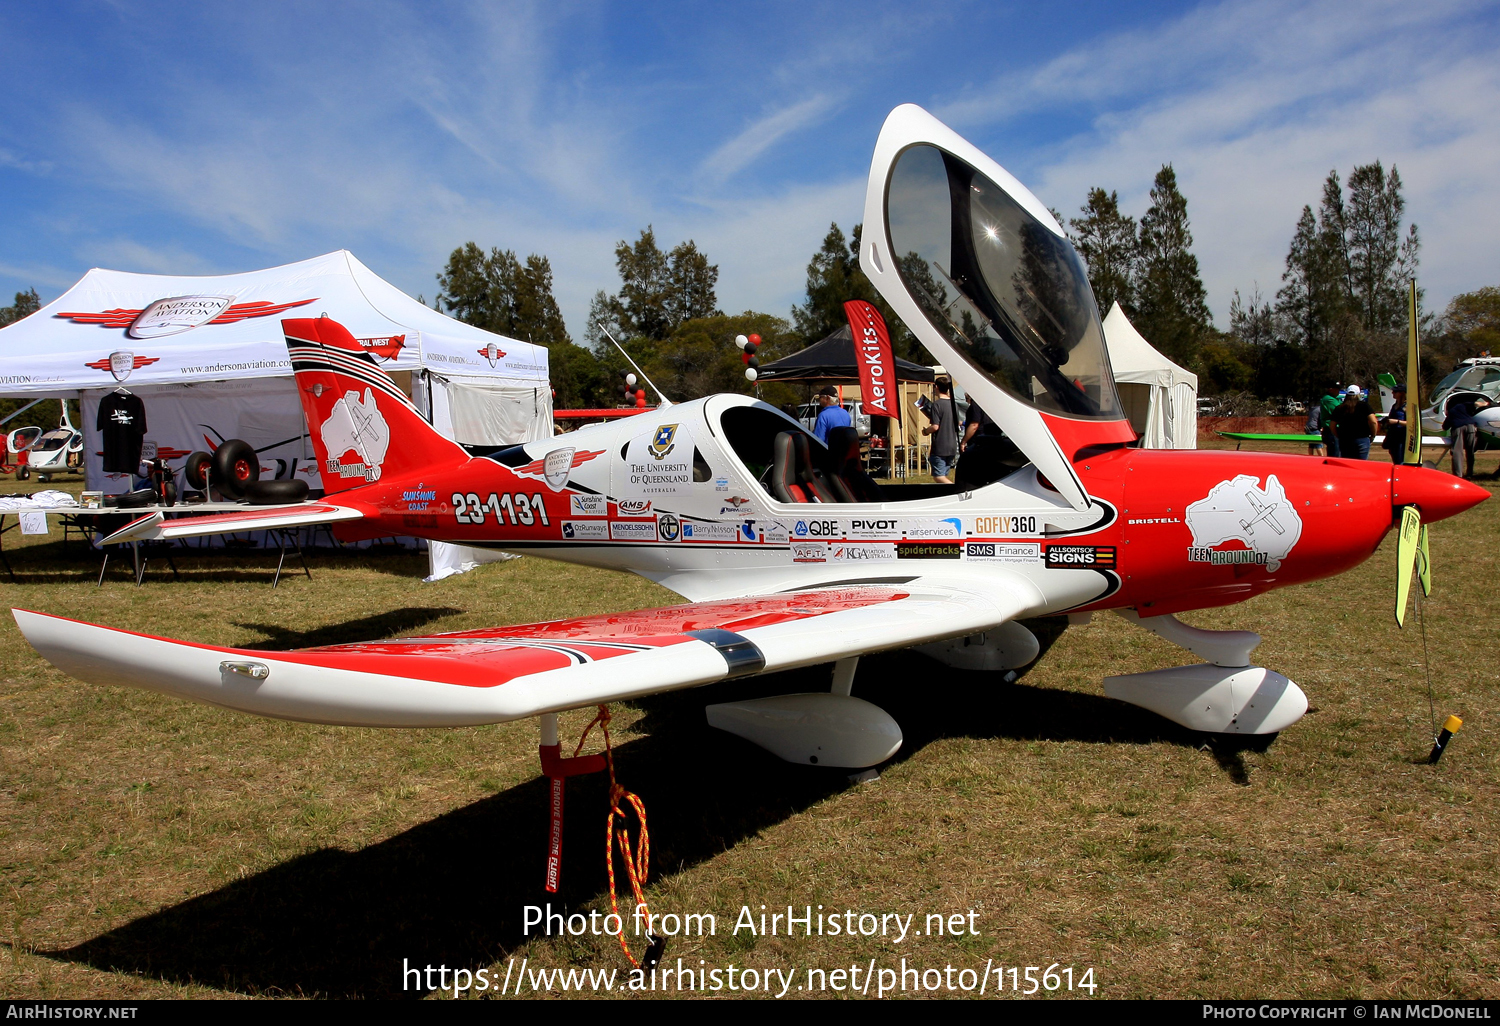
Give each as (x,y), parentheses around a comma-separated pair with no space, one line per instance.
(363,427)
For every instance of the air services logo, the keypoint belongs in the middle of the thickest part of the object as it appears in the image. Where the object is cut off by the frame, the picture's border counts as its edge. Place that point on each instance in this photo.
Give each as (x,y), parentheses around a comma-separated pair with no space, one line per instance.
(176,314)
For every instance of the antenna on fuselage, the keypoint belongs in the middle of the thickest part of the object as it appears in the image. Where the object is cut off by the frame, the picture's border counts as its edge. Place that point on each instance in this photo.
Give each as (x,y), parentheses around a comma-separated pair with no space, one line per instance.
(664,400)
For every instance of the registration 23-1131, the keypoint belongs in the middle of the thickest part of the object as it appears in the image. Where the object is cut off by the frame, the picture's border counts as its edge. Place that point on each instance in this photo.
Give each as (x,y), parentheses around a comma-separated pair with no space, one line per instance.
(517,506)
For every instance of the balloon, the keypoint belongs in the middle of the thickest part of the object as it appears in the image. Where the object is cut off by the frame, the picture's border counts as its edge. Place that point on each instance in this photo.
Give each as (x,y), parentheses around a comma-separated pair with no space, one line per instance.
(754,362)
(754,340)
(740,340)
(640,394)
(640,401)
(744,358)
(751,373)
(630,380)
(750,347)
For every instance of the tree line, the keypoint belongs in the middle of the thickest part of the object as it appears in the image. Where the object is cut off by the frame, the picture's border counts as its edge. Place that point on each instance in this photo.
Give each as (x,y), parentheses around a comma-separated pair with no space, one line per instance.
(665,314)
(1340,314)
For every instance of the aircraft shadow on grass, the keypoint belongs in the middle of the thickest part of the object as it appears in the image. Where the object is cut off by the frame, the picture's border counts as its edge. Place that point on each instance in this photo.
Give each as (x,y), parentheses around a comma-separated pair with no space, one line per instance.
(451,890)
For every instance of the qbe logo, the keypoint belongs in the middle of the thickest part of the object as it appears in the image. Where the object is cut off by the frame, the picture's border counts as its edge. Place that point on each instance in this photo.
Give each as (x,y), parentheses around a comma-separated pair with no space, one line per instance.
(1081,557)
(816,529)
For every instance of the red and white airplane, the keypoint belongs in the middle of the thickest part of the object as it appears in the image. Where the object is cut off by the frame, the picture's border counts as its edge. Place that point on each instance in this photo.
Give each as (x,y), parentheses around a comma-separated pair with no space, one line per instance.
(786,554)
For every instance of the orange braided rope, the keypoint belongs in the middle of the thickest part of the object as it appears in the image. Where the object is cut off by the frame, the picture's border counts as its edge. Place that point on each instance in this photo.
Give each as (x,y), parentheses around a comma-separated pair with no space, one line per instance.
(637,864)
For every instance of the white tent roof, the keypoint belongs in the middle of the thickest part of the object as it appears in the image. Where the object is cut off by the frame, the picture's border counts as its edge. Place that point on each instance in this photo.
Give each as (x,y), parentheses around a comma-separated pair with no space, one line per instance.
(173,329)
(1132,358)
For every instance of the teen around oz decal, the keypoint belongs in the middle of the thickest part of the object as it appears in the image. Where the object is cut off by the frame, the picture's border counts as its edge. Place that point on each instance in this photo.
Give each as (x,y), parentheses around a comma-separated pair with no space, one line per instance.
(1261,519)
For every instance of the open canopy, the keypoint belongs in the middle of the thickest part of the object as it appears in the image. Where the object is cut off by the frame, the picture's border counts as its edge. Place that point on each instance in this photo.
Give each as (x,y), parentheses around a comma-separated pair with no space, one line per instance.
(177,329)
(833,359)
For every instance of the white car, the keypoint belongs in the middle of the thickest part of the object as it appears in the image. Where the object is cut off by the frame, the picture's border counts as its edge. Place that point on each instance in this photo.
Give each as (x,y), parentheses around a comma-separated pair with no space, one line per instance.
(807,415)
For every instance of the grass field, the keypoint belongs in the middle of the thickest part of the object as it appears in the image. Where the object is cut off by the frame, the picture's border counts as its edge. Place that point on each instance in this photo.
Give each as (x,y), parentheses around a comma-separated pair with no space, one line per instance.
(154,848)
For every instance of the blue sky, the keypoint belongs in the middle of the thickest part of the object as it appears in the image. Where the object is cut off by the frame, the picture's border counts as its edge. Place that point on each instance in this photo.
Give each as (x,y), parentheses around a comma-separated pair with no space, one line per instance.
(203,138)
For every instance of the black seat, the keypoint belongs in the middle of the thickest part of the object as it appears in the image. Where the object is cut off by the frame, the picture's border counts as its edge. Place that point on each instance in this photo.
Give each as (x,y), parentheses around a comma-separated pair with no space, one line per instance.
(846,476)
(809,474)
(785,484)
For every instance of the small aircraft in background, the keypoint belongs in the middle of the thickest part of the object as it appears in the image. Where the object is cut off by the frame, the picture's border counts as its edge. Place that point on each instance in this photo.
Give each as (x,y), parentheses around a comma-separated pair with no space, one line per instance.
(785,553)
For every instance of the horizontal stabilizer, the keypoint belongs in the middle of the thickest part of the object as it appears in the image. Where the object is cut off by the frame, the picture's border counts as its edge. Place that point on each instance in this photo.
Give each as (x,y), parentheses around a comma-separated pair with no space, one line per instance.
(258,518)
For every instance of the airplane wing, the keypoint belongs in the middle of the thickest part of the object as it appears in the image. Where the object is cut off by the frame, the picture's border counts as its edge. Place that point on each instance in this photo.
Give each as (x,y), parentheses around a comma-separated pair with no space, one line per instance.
(507,673)
(155,525)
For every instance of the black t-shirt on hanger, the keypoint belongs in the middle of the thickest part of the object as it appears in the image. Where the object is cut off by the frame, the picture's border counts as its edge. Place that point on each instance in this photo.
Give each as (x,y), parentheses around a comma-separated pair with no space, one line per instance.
(122,424)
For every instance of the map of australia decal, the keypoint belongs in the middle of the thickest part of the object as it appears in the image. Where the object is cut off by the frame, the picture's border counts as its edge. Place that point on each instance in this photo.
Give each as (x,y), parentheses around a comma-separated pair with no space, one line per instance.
(1240,510)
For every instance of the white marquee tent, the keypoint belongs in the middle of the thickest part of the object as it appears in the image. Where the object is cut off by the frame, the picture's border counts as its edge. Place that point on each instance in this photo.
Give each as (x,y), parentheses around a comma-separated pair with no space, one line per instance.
(1160,398)
(207,357)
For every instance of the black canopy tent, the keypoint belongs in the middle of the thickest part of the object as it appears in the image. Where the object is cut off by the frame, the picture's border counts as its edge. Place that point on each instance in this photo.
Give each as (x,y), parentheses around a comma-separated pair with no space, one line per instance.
(832,360)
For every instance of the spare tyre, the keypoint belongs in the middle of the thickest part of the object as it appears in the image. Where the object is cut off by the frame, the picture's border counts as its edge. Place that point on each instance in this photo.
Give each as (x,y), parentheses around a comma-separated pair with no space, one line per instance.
(235,465)
(269,493)
(196,470)
(139,497)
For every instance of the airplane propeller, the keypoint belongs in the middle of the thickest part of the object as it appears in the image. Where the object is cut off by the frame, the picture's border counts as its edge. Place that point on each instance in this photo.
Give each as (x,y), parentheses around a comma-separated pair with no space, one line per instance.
(1411,543)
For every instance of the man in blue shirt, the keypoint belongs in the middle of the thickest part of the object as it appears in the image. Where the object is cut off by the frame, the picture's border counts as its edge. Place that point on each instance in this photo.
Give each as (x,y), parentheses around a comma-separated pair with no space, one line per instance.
(831,416)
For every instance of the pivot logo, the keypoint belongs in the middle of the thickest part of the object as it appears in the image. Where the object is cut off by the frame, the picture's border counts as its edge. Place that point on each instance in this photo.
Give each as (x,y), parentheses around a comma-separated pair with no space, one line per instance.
(817,529)
(1081,557)
(874,525)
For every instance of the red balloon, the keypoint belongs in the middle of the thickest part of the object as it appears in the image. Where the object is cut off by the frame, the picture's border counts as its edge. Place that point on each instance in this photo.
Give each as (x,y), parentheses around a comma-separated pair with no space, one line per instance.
(745,355)
(640,394)
(755,340)
(640,402)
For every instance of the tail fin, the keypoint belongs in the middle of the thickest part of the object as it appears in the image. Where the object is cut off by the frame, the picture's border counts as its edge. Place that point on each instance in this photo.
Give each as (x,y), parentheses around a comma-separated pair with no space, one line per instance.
(362,426)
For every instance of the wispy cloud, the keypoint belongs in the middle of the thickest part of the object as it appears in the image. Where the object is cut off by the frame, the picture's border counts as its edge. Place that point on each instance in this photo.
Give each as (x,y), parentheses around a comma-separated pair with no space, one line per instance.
(763,133)
(1253,104)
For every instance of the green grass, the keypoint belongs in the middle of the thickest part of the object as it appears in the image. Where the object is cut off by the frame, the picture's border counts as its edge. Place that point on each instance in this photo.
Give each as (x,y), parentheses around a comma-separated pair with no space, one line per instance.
(151,847)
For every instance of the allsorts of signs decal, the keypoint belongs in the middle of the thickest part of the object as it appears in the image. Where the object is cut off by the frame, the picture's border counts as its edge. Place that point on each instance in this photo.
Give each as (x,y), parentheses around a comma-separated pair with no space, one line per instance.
(1080,557)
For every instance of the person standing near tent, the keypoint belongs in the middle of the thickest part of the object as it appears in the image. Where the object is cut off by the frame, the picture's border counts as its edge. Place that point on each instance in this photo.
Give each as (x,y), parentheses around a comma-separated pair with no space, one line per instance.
(943,426)
(831,416)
